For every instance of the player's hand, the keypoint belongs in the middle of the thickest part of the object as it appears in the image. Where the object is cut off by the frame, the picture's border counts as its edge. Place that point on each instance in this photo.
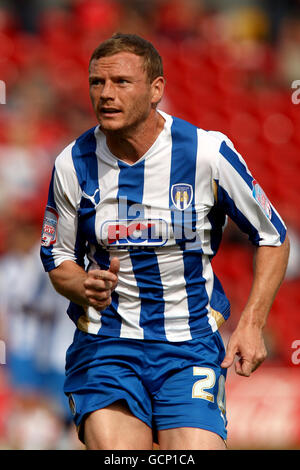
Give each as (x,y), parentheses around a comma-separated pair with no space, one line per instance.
(248,344)
(100,283)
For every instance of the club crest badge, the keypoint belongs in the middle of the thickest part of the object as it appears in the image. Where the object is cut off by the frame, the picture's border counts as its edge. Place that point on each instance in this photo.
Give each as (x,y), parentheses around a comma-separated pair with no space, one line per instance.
(49,227)
(181,195)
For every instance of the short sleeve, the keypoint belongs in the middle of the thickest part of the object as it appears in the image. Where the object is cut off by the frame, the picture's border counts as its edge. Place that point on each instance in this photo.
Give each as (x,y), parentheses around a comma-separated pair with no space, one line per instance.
(244,200)
(60,240)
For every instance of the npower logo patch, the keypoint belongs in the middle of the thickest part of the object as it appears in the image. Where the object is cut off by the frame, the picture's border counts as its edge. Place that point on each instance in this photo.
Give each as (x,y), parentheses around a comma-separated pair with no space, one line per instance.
(137,232)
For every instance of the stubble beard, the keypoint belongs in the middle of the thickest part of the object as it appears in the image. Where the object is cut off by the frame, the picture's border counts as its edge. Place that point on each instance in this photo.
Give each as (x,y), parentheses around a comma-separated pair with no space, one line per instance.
(127,129)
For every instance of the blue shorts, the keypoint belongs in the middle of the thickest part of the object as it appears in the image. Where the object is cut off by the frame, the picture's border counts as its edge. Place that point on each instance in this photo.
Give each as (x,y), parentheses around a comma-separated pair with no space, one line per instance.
(166,385)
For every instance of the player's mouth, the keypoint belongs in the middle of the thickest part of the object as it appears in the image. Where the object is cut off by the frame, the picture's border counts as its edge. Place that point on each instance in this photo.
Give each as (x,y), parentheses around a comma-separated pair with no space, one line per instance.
(107,111)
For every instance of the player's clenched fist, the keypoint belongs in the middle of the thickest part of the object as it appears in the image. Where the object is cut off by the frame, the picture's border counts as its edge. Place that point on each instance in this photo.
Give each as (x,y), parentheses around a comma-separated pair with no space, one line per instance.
(100,283)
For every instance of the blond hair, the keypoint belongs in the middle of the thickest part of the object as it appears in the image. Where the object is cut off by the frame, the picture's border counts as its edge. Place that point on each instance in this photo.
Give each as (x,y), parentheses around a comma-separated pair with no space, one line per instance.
(120,42)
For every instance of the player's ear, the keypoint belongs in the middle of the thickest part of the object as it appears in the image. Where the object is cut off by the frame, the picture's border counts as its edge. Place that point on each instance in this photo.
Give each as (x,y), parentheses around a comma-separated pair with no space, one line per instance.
(157,89)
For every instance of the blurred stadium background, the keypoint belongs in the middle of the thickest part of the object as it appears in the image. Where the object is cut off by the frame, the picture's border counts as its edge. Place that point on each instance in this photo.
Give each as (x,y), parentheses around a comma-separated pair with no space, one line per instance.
(230,66)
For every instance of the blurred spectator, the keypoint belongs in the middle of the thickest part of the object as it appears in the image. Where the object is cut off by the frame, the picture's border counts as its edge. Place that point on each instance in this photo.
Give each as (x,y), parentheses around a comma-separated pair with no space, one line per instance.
(37,332)
(137,17)
(24,165)
(27,13)
(288,50)
(278,11)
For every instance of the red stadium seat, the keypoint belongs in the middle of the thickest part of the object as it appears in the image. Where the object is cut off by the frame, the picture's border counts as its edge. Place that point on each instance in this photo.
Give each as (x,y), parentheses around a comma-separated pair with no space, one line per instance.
(97,15)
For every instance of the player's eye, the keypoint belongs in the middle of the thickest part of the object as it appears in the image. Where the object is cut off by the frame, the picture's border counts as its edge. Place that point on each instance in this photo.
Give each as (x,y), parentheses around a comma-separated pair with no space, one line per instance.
(95,81)
(122,81)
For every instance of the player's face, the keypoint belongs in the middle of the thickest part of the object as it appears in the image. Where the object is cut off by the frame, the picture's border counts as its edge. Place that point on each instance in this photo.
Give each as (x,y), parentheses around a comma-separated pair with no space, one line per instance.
(121,93)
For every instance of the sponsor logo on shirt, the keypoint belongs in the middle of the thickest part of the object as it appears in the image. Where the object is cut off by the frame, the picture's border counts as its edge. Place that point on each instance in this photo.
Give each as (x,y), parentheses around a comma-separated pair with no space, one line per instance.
(137,232)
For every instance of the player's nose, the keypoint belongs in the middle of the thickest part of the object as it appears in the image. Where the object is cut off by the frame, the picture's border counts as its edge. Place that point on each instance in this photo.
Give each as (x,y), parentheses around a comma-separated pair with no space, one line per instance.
(107,91)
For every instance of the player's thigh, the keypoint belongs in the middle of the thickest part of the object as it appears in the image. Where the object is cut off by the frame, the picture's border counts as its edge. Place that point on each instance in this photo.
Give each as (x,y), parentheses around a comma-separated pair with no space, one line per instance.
(193,397)
(115,427)
(100,372)
(189,439)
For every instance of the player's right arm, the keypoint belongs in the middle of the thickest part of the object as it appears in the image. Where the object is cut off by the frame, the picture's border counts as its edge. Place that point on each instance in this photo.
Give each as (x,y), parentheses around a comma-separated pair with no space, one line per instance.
(91,288)
(63,248)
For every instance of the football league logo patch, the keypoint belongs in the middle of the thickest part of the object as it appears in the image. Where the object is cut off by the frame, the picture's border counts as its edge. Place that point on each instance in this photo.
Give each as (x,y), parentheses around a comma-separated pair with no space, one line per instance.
(181,195)
(260,196)
(49,227)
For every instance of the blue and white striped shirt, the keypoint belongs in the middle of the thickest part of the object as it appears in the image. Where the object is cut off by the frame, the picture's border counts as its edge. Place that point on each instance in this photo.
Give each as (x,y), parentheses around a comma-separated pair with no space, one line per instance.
(163,217)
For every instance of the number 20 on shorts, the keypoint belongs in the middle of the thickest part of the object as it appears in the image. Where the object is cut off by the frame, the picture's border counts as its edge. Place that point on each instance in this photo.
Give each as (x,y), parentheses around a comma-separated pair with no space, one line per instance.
(201,387)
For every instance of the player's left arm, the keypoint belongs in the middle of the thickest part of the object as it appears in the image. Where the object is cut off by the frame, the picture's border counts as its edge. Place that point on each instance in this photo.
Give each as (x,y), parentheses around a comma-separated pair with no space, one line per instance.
(247,340)
(241,197)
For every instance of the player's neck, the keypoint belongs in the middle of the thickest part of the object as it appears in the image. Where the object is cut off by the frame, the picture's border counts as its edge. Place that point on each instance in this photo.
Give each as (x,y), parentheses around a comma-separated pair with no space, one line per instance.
(131,144)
